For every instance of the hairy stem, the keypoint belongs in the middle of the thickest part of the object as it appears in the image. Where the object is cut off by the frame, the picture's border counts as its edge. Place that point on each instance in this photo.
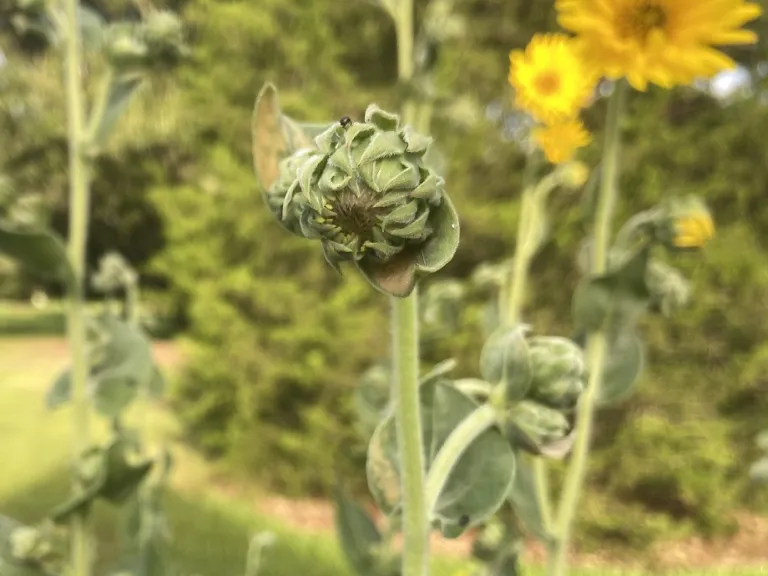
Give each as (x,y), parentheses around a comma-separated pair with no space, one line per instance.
(518,275)
(483,418)
(596,344)
(405,353)
(515,293)
(78,236)
(405,344)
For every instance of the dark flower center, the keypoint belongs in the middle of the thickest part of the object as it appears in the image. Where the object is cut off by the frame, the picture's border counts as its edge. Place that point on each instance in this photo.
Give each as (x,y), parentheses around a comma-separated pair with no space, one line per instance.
(641,19)
(355,213)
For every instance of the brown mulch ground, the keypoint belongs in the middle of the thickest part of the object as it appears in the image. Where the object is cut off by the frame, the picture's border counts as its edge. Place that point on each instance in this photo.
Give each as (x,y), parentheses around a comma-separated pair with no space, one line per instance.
(748,548)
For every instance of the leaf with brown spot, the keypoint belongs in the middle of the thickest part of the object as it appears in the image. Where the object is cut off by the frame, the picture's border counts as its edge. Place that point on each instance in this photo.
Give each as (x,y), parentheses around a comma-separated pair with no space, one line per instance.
(397,277)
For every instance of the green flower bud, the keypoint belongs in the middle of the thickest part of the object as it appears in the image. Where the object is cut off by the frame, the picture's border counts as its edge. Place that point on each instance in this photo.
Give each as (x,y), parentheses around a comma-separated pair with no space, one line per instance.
(684,224)
(536,428)
(442,305)
(368,196)
(558,371)
(124,47)
(275,196)
(163,34)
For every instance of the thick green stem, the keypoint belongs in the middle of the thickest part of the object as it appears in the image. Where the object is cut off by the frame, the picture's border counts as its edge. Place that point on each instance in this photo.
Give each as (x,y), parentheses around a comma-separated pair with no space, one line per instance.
(460,439)
(405,357)
(405,345)
(78,235)
(596,344)
(518,279)
(512,294)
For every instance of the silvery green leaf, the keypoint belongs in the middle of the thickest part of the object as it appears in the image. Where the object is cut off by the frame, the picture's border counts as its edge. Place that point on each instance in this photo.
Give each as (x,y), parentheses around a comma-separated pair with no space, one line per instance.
(623,367)
(525,501)
(39,251)
(358,535)
(478,484)
(119,91)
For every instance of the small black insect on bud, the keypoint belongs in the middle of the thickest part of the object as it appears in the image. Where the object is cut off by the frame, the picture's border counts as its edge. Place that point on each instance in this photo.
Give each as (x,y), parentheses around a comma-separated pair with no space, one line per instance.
(464,521)
(345,121)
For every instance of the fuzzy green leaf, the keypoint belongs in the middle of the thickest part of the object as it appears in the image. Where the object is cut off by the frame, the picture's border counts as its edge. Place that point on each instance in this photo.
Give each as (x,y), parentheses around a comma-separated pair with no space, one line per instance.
(615,300)
(61,390)
(120,90)
(479,482)
(357,533)
(523,498)
(41,252)
(110,473)
(623,367)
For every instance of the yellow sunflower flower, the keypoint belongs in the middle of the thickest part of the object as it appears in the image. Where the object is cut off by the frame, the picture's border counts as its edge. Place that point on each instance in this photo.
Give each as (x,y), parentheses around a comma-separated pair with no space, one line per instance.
(549,78)
(665,42)
(560,141)
(694,231)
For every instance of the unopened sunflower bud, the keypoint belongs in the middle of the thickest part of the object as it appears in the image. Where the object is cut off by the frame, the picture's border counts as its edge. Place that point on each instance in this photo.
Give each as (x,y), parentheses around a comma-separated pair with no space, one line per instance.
(163,34)
(669,289)
(368,196)
(442,304)
(288,216)
(684,224)
(533,427)
(558,371)
(125,48)
(573,175)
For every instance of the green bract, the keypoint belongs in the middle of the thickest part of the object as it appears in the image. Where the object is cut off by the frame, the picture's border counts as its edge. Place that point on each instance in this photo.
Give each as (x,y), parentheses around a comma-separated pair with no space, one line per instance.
(286,178)
(367,195)
(559,369)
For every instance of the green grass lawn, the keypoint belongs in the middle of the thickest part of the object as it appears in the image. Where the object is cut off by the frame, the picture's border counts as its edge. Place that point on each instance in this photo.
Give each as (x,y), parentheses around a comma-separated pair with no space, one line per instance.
(210,533)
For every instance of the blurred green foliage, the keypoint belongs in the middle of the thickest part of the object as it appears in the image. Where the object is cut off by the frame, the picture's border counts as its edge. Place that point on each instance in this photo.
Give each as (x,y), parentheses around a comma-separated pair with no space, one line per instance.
(278,340)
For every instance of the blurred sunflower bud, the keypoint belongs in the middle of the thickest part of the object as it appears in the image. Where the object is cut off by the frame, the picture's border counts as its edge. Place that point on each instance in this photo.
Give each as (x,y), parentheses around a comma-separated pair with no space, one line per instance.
(534,427)
(163,34)
(573,174)
(559,369)
(369,198)
(442,305)
(156,43)
(684,224)
(275,196)
(125,49)
(669,289)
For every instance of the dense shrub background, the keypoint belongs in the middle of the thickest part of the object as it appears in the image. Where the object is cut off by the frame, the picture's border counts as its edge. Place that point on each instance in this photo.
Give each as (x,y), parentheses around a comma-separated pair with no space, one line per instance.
(278,341)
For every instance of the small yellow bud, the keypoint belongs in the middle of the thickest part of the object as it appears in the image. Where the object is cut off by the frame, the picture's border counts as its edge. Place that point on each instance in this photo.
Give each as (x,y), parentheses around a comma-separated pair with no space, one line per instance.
(694,230)
(573,174)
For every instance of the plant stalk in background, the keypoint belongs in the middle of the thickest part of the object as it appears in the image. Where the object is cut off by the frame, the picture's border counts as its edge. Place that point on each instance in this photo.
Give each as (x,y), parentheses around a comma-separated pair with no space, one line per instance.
(517,282)
(596,344)
(78,234)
